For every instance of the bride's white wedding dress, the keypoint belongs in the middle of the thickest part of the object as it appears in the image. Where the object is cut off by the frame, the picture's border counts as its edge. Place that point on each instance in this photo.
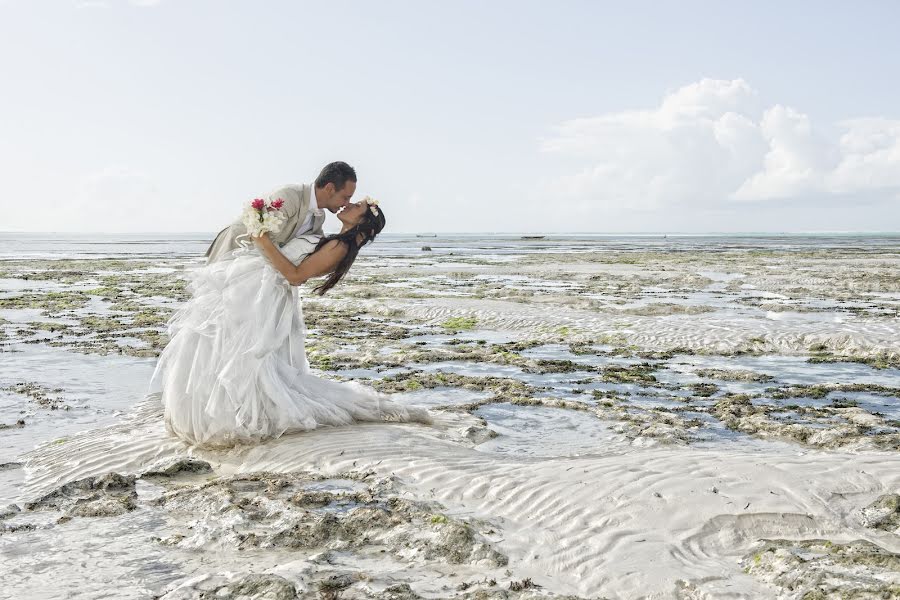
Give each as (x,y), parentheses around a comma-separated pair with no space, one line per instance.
(235,369)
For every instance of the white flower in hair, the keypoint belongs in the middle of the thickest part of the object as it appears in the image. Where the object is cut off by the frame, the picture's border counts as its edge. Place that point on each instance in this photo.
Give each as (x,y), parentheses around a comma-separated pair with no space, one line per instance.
(373,204)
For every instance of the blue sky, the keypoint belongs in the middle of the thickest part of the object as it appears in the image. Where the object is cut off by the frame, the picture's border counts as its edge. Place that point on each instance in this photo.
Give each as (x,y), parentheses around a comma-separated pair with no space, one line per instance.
(458,116)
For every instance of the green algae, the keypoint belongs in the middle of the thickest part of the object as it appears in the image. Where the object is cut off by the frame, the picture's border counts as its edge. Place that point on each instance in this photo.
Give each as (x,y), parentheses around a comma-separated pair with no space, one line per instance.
(820,390)
(739,413)
(704,390)
(813,569)
(641,373)
(733,375)
(460,323)
(500,386)
(880,360)
(49,302)
(41,395)
(883,513)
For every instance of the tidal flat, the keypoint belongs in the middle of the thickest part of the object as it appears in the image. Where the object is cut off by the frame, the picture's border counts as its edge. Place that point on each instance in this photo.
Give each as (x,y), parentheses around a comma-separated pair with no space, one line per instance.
(619,417)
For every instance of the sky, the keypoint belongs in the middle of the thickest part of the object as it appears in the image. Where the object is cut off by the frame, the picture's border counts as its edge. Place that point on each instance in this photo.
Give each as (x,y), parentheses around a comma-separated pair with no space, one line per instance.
(463,116)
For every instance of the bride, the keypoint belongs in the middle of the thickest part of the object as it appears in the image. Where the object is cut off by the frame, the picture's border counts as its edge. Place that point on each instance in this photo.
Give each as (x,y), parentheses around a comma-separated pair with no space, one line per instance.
(235,369)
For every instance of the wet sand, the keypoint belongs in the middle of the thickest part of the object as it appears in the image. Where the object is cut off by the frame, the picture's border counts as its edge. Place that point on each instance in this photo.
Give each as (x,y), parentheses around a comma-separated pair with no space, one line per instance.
(619,421)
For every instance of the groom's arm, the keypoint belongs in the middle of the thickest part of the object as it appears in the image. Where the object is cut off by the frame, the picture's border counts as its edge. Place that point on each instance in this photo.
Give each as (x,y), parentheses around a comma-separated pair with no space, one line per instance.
(294,210)
(292,200)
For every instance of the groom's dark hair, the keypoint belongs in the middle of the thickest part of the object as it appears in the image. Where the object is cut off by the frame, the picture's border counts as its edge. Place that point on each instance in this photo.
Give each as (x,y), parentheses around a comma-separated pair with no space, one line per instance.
(338,173)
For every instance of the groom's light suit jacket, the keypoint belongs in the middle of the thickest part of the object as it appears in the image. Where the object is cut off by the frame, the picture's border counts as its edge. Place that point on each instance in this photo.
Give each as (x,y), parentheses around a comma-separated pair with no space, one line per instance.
(296,205)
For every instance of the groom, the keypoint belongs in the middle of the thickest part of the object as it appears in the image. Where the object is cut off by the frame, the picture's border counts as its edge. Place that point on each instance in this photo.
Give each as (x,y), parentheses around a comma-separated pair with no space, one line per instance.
(302,208)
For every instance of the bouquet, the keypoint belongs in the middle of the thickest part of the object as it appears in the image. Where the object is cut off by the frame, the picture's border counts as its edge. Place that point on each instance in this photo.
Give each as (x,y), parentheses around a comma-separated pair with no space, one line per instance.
(260,216)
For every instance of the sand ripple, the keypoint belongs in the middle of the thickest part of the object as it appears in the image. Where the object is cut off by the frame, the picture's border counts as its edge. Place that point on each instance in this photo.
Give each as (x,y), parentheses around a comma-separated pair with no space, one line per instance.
(580,525)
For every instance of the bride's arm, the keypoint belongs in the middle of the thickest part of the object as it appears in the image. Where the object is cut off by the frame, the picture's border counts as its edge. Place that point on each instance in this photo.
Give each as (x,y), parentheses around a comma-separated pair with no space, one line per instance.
(320,262)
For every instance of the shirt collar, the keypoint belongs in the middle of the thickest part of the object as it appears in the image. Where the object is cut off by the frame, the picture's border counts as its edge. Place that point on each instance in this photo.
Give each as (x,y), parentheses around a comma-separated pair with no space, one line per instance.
(313,203)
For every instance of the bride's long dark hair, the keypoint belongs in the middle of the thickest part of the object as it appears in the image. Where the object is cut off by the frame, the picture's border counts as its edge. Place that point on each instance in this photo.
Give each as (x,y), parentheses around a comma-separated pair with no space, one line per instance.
(369,226)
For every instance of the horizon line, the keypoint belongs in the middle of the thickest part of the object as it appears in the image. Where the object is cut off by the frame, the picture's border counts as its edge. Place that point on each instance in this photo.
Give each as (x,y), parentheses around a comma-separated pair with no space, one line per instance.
(433,233)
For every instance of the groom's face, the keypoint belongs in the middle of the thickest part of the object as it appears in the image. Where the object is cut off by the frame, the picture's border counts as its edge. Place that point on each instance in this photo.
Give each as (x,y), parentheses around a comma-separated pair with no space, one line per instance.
(340,198)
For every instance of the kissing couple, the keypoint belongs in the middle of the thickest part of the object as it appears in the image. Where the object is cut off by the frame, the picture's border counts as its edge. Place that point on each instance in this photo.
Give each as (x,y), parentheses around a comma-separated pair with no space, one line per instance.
(235,369)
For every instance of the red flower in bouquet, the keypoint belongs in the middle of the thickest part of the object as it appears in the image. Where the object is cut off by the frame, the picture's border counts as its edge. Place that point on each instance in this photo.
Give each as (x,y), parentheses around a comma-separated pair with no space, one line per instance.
(260,216)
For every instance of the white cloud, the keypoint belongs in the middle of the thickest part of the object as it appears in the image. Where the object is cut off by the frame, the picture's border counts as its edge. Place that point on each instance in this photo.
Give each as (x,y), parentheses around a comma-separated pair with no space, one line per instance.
(714,141)
(112,184)
(120,198)
(870,156)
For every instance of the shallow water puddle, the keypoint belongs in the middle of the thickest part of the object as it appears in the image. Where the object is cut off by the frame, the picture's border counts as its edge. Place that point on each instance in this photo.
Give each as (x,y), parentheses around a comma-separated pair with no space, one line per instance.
(562,352)
(26,315)
(89,396)
(714,435)
(486,369)
(335,486)
(792,370)
(367,373)
(84,376)
(475,335)
(10,287)
(650,402)
(873,403)
(544,432)
(441,396)
(118,547)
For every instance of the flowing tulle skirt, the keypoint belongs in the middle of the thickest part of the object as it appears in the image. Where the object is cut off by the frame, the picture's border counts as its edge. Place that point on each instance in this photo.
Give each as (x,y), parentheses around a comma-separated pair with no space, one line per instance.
(235,368)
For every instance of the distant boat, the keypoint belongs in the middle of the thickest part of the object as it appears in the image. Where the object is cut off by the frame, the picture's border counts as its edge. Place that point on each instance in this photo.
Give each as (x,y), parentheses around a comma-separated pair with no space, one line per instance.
(426,235)
(533,237)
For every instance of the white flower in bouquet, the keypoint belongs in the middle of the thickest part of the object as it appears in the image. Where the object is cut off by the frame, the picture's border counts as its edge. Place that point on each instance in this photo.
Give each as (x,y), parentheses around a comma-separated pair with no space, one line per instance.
(260,217)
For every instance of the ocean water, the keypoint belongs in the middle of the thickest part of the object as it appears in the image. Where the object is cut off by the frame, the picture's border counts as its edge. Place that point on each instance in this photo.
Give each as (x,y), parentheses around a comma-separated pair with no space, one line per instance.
(183,245)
